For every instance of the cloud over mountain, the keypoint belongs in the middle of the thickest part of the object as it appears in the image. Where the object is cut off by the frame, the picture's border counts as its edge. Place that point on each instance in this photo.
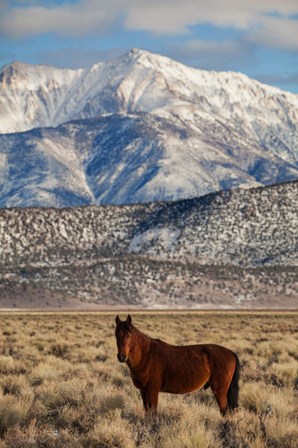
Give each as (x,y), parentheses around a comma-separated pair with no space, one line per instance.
(158,16)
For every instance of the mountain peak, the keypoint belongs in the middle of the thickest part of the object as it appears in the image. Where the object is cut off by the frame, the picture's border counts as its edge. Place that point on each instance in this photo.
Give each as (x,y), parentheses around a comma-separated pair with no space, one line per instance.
(134,55)
(138,54)
(136,51)
(140,128)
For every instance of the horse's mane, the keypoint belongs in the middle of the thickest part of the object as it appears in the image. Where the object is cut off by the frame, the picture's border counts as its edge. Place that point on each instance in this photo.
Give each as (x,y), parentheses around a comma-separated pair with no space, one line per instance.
(140,333)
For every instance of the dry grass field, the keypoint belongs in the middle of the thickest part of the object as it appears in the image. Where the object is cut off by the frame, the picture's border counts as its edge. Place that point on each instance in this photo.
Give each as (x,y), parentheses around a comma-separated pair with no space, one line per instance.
(62,386)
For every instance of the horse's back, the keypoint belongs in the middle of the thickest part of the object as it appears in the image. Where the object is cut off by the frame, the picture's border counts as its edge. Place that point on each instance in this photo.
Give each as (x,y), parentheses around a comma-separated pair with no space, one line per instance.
(176,353)
(216,350)
(215,353)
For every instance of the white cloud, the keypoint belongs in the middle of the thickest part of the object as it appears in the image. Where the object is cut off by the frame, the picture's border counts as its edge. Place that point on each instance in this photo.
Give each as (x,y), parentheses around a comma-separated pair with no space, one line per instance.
(276,32)
(176,16)
(172,17)
(258,18)
(67,20)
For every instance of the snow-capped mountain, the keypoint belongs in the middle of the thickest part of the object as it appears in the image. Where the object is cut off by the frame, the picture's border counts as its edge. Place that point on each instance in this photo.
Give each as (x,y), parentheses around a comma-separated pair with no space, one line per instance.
(140,128)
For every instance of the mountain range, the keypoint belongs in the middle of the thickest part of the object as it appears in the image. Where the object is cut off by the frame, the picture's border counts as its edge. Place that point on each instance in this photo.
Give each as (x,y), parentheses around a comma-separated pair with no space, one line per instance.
(142,128)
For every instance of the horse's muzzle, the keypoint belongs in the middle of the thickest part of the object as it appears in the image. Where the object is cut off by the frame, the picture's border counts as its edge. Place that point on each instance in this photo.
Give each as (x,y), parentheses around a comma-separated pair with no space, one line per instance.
(121,358)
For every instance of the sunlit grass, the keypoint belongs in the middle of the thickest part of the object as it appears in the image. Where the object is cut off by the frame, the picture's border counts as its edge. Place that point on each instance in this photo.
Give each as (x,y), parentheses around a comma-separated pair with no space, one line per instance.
(62,386)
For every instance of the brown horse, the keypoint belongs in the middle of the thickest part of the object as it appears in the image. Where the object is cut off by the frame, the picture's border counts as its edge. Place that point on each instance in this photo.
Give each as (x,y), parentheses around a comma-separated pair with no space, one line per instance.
(156,366)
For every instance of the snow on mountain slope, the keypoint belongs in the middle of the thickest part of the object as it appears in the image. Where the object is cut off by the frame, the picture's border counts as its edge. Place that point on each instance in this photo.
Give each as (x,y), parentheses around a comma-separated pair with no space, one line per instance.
(137,129)
(124,159)
(41,168)
(139,82)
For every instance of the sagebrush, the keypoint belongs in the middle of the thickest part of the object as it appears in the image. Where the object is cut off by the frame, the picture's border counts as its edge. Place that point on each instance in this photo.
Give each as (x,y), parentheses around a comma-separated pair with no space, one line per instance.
(62,386)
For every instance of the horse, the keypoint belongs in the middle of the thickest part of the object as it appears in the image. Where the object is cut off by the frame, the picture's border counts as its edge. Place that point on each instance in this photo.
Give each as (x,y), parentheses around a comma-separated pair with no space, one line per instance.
(156,366)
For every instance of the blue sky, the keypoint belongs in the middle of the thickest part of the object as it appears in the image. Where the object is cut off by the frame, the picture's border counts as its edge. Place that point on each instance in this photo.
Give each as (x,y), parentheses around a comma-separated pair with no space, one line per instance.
(258,38)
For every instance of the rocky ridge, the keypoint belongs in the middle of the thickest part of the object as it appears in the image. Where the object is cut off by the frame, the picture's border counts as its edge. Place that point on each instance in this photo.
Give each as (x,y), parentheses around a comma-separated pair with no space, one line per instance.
(236,248)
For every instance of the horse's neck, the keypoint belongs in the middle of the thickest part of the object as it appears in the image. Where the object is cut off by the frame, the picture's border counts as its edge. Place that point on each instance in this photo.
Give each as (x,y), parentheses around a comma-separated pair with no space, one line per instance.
(140,349)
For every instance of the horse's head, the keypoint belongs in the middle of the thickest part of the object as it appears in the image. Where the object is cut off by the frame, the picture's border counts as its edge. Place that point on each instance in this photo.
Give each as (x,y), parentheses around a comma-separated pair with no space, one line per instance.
(123,335)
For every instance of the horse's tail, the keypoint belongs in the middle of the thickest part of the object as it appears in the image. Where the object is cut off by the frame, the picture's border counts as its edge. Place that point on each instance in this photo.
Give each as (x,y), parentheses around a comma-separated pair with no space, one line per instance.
(233,391)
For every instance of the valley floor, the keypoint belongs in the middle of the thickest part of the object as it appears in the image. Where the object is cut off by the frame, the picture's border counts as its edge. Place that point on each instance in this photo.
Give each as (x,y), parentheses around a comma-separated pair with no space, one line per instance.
(140,282)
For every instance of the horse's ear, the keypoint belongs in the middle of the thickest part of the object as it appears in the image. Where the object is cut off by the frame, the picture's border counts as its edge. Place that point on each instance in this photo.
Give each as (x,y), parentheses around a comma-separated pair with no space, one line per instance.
(117,320)
(129,319)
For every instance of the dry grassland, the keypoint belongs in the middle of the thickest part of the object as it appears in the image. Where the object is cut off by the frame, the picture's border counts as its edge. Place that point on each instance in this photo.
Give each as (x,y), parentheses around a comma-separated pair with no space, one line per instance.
(62,386)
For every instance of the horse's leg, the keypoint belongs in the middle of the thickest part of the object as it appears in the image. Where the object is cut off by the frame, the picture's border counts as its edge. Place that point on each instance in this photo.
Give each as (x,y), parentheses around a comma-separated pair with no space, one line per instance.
(220,383)
(145,400)
(221,396)
(152,400)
